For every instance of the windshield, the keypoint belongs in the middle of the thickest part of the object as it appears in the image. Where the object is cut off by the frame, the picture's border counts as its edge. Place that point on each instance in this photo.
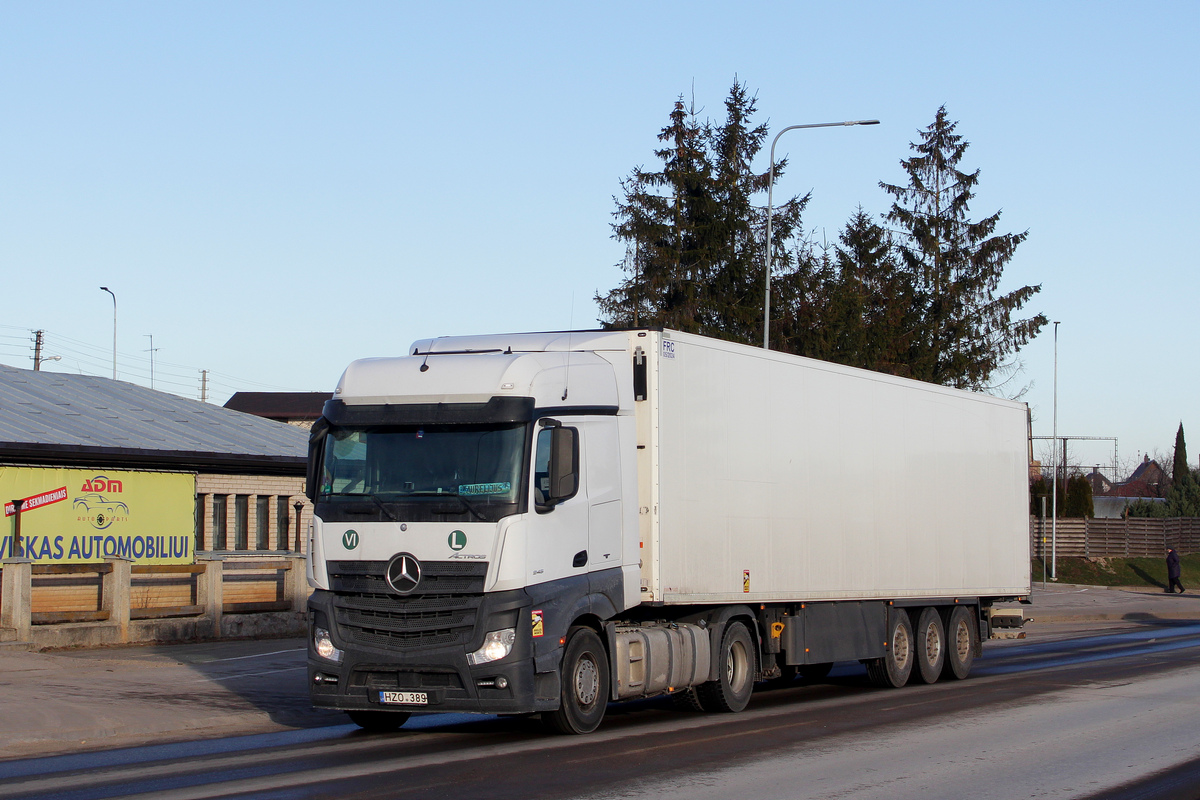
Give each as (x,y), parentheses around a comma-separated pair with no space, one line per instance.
(424,473)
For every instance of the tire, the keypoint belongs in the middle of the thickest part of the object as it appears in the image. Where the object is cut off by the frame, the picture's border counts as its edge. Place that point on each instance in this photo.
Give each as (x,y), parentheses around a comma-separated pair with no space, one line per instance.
(687,700)
(731,691)
(892,671)
(930,638)
(815,672)
(585,684)
(379,721)
(961,639)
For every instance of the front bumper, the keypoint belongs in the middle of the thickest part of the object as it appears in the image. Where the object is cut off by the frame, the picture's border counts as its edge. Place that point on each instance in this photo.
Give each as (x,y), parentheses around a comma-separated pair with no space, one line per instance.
(438,670)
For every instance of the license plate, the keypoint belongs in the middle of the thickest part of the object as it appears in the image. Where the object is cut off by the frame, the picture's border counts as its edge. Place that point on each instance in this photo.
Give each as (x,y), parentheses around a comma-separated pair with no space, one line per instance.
(404,698)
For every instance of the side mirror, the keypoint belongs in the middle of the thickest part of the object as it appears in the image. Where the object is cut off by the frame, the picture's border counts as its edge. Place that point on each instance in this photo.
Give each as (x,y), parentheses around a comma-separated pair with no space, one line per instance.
(561,446)
(316,458)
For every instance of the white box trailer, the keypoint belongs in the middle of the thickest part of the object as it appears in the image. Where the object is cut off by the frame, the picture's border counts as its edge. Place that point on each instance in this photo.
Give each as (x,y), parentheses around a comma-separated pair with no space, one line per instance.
(775,478)
(547,522)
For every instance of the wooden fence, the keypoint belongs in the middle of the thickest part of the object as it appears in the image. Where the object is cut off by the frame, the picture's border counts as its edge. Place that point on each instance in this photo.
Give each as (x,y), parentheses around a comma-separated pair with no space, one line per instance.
(115,601)
(1109,538)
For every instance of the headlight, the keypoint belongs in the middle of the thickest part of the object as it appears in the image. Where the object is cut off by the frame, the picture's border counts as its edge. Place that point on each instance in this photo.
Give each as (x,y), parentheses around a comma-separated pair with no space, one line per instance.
(324,646)
(496,645)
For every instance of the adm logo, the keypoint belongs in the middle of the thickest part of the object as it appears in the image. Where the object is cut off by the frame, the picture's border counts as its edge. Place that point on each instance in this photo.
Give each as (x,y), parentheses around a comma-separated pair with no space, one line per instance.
(97,509)
(101,484)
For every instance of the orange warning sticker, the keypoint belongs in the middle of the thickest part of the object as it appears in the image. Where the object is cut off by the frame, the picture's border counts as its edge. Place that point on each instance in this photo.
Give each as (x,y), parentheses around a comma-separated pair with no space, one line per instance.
(538,629)
(746,580)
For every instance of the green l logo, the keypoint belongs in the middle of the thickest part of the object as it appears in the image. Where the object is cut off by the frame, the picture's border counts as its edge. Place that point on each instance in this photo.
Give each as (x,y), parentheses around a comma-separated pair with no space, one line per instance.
(350,540)
(457,540)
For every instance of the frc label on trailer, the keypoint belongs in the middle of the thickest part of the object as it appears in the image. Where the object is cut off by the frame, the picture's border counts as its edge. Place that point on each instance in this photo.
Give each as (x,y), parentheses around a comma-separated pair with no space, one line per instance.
(668,349)
(538,628)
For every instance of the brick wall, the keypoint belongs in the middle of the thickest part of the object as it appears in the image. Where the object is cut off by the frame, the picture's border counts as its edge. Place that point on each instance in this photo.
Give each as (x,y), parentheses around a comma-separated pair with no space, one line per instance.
(211,488)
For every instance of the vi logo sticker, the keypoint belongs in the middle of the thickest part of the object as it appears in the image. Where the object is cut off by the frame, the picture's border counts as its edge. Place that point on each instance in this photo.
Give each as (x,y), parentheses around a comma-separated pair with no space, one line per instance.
(350,539)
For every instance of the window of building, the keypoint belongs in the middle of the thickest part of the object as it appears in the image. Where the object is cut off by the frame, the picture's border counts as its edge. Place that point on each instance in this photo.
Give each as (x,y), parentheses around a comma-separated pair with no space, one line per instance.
(262,533)
(218,518)
(283,523)
(241,522)
(199,522)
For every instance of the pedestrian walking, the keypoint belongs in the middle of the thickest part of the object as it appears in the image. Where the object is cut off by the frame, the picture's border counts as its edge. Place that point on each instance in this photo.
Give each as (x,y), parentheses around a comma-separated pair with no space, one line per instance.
(1173,571)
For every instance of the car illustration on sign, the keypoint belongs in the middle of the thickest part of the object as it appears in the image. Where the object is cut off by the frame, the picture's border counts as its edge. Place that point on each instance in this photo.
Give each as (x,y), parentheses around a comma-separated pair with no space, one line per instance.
(100,510)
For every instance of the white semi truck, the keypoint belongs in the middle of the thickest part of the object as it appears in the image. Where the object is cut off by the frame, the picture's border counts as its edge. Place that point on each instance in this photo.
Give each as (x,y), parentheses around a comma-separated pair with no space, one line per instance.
(547,522)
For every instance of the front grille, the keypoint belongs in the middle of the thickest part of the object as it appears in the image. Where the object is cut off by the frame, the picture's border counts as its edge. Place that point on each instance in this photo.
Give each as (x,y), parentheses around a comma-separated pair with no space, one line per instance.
(442,611)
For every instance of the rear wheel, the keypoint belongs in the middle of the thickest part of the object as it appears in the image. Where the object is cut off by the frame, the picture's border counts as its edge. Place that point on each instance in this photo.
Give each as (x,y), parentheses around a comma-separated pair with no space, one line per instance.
(730,692)
(585,684)
(896,665)
(960,644)
(379,721)
(930,636)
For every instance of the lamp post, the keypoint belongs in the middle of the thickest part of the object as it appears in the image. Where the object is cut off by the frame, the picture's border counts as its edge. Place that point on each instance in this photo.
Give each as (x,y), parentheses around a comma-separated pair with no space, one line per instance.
(16,551)
(770,197)
(114,297)
(298,506)
(1054,481)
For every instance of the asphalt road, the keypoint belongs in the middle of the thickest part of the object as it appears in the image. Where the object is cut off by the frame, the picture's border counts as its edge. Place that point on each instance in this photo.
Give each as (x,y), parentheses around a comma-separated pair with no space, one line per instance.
(1085,710)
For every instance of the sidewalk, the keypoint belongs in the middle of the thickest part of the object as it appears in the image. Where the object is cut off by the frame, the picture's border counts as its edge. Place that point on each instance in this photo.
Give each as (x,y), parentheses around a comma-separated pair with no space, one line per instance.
(1059,602)
(69,701)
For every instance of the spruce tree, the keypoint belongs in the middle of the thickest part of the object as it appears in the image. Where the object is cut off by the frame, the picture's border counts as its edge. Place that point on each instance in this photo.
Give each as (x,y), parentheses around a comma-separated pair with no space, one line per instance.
(965,332)
(1179,467)
(693,235)
(666,221)
(871,301)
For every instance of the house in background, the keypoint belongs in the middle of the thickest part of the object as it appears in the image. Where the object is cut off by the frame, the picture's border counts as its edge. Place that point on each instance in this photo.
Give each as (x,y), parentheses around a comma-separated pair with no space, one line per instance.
(301,409)
(112,458)
(1148,482)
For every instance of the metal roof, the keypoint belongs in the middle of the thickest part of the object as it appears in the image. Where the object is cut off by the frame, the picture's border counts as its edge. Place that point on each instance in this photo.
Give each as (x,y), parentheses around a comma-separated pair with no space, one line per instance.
(280,405)
(65,418)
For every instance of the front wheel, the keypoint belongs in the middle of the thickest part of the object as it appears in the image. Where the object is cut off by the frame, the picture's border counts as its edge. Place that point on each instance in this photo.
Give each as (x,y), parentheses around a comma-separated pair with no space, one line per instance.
(585,685)
(730,692)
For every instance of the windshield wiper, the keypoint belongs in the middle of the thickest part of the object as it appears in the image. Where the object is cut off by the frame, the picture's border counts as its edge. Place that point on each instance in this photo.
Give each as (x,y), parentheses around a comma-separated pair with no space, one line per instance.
(377,501)
(468,505)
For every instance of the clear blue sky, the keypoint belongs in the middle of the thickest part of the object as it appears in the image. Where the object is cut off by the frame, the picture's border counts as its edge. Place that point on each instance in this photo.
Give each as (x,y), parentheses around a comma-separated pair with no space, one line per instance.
(275,189)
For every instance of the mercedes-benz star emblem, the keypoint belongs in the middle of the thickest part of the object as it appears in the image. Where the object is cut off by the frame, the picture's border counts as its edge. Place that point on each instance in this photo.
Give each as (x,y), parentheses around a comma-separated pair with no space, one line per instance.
(403,573)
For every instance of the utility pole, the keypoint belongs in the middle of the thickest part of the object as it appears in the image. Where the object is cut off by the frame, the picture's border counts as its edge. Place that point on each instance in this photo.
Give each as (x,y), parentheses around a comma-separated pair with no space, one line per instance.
(151,351)
(203,386)
(38,345)
(114,297)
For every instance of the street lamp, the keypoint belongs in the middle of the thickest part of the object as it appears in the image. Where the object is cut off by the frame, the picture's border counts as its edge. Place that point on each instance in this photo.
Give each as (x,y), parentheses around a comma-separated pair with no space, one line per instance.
(299,507)
(1054,480)
(770,197)
(114,297)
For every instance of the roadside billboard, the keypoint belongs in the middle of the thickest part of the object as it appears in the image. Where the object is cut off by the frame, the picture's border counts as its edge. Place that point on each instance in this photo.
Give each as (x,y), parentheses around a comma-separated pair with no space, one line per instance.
(76,516)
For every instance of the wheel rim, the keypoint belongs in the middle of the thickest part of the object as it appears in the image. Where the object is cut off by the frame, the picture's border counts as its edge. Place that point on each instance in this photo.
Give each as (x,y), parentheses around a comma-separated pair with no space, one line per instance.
(735,669)
(900,647)
(962,641)
(933,643)
(587,680)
